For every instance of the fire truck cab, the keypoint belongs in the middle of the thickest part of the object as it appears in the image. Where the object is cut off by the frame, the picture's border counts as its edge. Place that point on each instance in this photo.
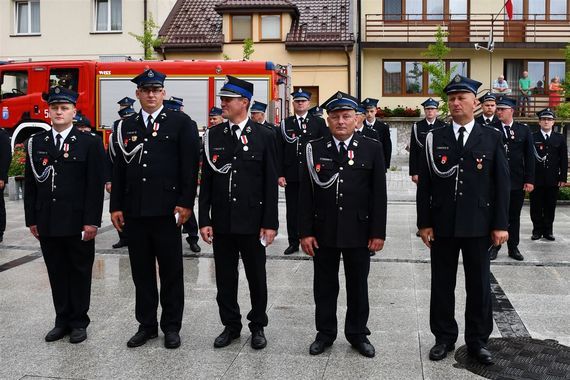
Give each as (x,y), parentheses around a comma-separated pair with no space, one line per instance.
(101,84)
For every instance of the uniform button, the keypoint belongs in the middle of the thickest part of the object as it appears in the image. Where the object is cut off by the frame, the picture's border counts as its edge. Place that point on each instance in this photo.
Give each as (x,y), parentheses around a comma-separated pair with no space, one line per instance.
(461,170)
(235,185)
(460,193)
(145,152)
(461,182)
(235,171)
(461,159)
(341,181)
(341,168)
(55,161)
(54,186)
(144,179)
(235,200)
(145,139)
(235,158)
(53,200)
(340,209)
(340,194)
(144,165)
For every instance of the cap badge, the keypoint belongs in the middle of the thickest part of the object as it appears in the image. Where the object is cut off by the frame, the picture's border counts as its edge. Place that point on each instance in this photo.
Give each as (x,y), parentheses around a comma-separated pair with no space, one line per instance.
(150,74)
(457,78)
(338,95)
(57,90)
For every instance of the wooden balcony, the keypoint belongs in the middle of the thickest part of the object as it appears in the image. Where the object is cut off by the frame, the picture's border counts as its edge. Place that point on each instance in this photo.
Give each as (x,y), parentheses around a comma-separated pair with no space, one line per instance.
(464,30)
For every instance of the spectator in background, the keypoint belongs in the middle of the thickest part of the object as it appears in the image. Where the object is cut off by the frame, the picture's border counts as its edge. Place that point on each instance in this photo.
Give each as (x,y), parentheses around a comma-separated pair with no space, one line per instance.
(500,86)
(554,92)
(526,92)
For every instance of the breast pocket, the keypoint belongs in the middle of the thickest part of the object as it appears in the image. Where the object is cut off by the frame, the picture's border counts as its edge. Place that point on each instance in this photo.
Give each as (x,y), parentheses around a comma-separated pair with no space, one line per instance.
(363,165)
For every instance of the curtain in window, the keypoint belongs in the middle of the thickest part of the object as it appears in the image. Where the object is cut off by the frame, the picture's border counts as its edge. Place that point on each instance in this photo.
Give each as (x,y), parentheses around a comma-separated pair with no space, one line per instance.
(434,10)
(270,27)
(22,12)
(116,14)
(392,9)
(35,16)
(102,14)
(414,9)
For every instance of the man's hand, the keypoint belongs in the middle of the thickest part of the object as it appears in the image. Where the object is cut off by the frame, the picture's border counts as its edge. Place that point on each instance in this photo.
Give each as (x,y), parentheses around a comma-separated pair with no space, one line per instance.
(499,237)
(207,234)
(34,231)
(309,244)
(282,182)
(415,179)
(375,245)
(89,232)
(562,184)
(2,184)
(183,214)
(269,236)
(427,236)
(528,187)
(118,220)
(108,187)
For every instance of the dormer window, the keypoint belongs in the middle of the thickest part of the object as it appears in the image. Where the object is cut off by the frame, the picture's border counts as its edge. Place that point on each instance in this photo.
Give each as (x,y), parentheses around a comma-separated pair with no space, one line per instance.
(241,28)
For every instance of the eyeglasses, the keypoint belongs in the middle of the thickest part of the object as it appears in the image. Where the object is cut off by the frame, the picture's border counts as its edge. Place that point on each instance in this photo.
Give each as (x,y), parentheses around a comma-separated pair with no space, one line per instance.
(148,90)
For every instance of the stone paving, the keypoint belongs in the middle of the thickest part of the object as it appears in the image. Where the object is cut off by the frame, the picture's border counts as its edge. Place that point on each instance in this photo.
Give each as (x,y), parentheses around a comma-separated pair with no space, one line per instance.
(538,289)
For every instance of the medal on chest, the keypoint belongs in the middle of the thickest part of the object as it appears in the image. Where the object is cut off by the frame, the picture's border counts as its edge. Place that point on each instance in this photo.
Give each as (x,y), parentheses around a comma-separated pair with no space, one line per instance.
(318,168)
(244,141)
(65,150)
(45,161)
(351,157)
(215,158)
(479,163)
(126,142)
(155,128)
(443,160)
(512,134)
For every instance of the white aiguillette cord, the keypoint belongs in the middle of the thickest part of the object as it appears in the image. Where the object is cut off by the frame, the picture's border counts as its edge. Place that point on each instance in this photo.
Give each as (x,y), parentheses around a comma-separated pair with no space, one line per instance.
(224,169)
(433,167)
(313,172)
(126,154)
(287,138)
(47,171)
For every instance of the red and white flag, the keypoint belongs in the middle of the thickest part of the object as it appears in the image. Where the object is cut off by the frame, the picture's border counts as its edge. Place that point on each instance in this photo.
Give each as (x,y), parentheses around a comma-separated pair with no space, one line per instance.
(509,9)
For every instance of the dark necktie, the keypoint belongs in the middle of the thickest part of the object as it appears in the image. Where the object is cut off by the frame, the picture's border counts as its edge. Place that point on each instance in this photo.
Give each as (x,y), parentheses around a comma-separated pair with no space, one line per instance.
(546,137)
(507,130)
(149,123)
(58,141)
(235,129)
(359,132)
(460,138)
(488,121)
(301,123)
(341,150)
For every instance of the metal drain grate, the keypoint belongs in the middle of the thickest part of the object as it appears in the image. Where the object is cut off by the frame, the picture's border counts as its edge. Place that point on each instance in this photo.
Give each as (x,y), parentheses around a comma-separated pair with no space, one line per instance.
(521,358)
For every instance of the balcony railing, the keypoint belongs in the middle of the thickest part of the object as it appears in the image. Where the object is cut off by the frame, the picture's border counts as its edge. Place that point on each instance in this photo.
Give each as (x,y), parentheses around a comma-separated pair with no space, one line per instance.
(468,28)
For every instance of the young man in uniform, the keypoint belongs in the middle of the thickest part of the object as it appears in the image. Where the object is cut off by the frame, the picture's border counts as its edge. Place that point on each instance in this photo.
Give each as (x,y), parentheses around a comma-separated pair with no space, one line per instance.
(383,129)
(489,106)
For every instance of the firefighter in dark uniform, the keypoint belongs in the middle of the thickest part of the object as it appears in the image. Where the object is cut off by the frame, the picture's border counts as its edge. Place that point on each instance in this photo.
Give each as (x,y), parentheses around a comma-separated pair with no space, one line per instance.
(238,208)
(63,202)
(257,112)
(215,116)
(316,111)
(125,110)
(5,160)
(489,107)
(419,133)
(154,188)
(342,210)
(551,174)
(361,128)
(383,129)
(519,145)
(464,174)
(295,132)
(176,104)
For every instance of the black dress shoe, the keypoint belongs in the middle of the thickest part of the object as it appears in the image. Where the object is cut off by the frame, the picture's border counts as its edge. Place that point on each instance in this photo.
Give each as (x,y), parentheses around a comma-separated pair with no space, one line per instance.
(258,340)
(1,238)
(535,236)
(549,237)
(291,249)
(365,349)
(141,337)
(482,355)
(418,233)
(493,252)
(121,243)
(171,339)
(225,338)
(77,335)
(318,347)
(56,333)
(194,247)
(440,350)
(515,254)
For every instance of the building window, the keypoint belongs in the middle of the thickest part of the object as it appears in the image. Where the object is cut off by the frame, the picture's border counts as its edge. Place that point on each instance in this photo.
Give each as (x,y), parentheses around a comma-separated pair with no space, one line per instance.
(13,84)
(539,72)
(108,15)
(241,27)
(270,27)
(540,10)
(402,10)
(27,17)
(408,78)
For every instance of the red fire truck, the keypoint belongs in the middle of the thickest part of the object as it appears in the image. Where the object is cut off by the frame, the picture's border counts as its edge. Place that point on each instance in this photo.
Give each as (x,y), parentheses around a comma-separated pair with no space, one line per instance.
(101,84)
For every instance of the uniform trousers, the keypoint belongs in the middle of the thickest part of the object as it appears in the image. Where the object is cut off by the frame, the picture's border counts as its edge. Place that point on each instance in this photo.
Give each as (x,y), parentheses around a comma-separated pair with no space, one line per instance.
(152,240)
(356,263)
(515,207)
(227,250)
(69,262)
(191,228)
(478,312)
(292,204)
(542,209)
(2,212)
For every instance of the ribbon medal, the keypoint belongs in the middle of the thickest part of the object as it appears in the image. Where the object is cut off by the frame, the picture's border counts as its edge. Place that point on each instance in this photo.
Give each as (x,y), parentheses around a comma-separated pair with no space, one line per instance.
(155,128)
(512,134)
(318,168)
(541,146)
(134,138)
(479,163)
(443,160)
(126,142)
(215,158)
(45,161)
(351,157)
(65,150)
(244,142)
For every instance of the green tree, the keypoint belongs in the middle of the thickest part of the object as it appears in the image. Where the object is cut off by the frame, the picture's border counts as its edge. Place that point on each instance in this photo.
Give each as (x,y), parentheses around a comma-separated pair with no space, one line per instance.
(439,76)
(248,49)
(148,40)
(567,76)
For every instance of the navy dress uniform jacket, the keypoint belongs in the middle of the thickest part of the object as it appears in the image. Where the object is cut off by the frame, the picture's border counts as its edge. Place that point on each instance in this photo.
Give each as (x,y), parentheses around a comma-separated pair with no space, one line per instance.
(76,197)
(353,210)
(520,154)
(164,173)
(554,168)
(5,155)
(244,199)
(480,203)
(383,130)
(417,142)
(292,153)
(495,122)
